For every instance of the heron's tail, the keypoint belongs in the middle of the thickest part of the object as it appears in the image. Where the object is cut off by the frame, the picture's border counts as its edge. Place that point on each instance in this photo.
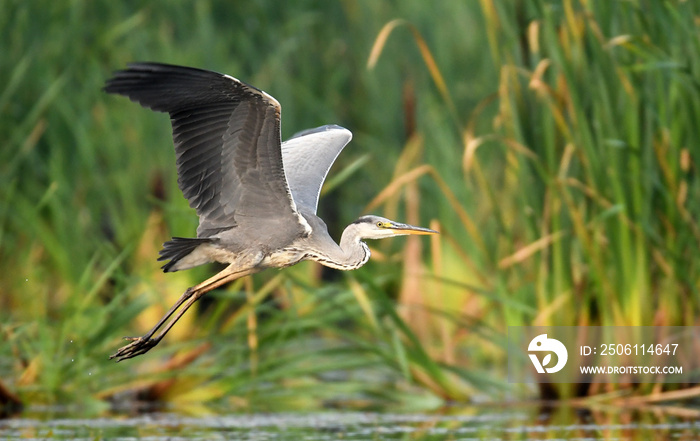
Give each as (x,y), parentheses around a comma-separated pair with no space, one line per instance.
(181,253)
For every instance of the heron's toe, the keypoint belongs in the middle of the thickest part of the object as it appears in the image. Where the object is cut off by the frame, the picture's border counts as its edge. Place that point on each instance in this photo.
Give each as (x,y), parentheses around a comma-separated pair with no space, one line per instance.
(138,346)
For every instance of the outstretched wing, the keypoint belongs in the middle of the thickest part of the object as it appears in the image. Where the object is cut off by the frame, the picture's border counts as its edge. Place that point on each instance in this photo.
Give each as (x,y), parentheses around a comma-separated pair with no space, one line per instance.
(227,141)
(307,157)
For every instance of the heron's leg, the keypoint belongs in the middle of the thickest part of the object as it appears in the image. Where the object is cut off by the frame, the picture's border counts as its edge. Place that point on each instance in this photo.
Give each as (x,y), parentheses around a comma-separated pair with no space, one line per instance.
(141,345)
(202,288)
(186,295)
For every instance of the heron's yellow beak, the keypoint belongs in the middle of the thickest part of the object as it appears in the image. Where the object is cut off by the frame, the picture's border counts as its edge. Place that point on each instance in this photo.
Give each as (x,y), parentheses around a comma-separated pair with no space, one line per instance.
(410,229)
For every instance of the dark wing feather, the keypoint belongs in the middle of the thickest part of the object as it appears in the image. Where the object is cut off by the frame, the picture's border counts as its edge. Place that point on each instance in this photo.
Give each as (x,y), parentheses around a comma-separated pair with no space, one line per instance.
(227,141)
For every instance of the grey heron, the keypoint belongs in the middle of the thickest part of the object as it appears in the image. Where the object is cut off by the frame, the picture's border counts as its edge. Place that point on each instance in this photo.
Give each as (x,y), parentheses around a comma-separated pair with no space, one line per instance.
(256,197)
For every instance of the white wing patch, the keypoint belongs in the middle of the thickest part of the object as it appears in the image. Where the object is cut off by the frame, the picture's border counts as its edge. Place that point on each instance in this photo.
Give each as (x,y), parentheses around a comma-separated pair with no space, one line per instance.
(307,228)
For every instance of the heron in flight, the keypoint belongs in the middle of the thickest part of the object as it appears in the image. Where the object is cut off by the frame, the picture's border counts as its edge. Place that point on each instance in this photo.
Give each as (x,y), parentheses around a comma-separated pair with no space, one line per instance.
(256,197)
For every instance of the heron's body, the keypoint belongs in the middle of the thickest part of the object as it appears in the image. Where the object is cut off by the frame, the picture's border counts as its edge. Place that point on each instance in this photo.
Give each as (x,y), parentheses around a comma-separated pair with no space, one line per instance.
(234,246)
(255,196)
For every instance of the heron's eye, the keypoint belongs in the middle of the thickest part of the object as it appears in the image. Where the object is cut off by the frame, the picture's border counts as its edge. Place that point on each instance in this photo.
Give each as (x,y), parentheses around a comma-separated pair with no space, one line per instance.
(380,224)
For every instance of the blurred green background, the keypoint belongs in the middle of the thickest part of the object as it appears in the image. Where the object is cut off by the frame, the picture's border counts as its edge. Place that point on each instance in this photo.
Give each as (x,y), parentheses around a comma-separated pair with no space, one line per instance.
(553,143)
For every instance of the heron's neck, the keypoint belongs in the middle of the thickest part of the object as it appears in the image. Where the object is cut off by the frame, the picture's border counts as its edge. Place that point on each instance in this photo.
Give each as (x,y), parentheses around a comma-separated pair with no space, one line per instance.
(351,254)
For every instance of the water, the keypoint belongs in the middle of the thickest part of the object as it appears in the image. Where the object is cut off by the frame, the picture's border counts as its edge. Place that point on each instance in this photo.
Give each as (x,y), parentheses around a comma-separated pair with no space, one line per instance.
(465,424)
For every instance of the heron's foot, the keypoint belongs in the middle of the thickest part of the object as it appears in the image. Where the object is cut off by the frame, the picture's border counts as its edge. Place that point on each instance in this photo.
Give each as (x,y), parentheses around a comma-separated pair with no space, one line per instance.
(138,346)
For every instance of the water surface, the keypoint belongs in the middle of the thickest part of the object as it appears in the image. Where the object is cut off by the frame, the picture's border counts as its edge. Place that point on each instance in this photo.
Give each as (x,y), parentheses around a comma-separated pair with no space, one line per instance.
(463,424)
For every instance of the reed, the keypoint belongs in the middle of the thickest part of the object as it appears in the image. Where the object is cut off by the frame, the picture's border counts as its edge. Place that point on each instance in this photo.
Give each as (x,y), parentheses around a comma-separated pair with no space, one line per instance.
(577,173)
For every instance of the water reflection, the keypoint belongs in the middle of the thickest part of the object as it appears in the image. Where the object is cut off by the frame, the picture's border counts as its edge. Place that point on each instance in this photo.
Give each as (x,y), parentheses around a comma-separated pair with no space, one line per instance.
(454,424)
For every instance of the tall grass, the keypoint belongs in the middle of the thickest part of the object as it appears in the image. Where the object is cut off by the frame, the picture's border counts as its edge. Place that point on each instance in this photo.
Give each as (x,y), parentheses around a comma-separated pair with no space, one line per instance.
(553,144)
(606,98)
(582,168)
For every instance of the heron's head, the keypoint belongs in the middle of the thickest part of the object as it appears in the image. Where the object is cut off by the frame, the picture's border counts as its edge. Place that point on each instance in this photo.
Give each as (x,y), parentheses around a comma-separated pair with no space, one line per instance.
(377,227)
